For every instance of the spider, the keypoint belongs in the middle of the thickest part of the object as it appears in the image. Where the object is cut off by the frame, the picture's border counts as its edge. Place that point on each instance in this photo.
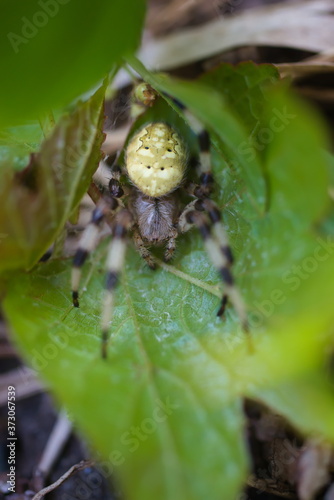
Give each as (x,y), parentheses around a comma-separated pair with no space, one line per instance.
(151,209)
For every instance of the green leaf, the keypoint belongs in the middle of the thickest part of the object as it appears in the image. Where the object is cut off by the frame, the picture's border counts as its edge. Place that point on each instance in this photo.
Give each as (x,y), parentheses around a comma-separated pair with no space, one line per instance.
(167,348)
(244,89)
(37,201)
(140,408)
(286,239)
(54,50)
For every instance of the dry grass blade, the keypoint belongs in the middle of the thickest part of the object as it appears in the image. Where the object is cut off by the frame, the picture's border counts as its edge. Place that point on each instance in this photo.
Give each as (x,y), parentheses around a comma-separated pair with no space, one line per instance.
(302,69)
(169,16)
(304,25)
(75,468)
(314,468)
(54,446)
(320,63)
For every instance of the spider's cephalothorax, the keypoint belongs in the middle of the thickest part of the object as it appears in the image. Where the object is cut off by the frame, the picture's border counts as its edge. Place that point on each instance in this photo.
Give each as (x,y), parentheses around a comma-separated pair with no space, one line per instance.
(152,210)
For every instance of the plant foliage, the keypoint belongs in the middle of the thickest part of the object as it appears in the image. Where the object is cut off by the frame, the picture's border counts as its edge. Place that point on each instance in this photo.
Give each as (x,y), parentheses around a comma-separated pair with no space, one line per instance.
(165,409)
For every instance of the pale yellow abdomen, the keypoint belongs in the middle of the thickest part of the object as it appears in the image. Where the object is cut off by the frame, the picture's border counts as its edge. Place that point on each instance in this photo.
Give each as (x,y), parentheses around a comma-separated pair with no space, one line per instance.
(156,159)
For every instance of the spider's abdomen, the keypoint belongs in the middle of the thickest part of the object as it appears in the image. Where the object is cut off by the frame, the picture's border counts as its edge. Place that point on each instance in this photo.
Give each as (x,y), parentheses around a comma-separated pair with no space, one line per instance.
(156,159)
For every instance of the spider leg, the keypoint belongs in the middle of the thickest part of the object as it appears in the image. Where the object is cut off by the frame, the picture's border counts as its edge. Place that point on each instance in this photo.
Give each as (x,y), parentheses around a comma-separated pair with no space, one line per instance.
(205,187)
(204,163)
(193,215)
(115,260)
(143,250)
(87,244)
(210,207)
(171,245)
(105,207)
(203,190)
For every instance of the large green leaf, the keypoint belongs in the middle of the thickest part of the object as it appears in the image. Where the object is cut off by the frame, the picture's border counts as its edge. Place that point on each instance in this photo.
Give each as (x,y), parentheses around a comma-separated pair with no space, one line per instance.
(54,50)
(119,403)
(37,201)
(168,349)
